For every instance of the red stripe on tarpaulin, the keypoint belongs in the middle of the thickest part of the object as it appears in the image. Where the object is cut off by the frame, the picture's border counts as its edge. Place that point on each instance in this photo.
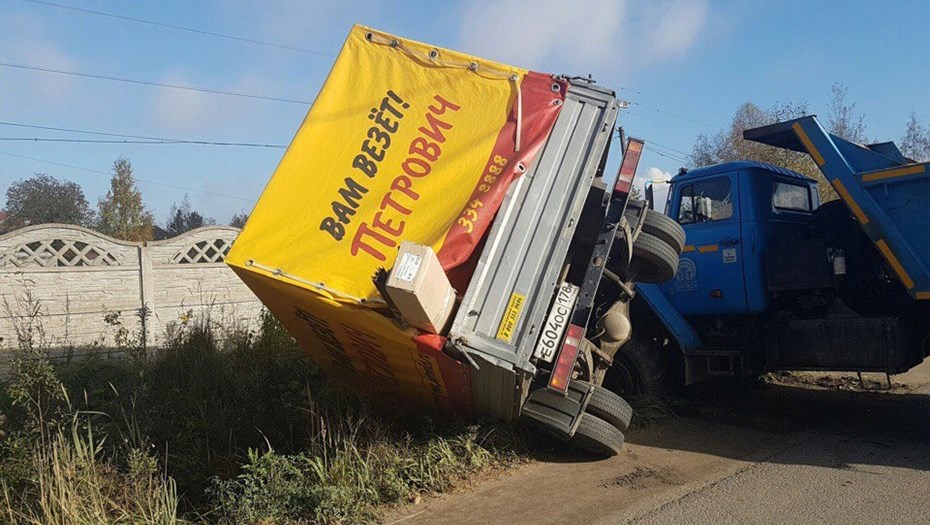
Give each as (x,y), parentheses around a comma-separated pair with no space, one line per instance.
(539,112)
(456,376)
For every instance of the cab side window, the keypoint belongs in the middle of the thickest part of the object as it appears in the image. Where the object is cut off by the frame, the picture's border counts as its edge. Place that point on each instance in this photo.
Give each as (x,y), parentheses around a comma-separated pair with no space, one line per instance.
(704,201)
(791,197)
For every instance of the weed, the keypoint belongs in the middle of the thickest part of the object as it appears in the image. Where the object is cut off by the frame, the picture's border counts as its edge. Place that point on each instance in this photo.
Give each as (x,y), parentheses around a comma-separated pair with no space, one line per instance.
(234,429)
(75,485)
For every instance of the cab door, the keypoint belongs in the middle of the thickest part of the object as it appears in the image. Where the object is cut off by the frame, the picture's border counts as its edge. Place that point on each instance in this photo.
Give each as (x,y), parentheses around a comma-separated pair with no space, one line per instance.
(710,279)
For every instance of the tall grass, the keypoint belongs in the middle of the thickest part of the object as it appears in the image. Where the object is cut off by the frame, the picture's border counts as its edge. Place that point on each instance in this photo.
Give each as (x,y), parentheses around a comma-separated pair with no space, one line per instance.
(75,485)
(234,429)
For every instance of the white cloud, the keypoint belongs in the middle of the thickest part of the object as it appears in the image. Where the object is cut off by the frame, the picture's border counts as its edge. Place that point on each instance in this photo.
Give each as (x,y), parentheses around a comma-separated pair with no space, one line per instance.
(591,35)
(181,111)
(549,30)
(673,27)
(22,41)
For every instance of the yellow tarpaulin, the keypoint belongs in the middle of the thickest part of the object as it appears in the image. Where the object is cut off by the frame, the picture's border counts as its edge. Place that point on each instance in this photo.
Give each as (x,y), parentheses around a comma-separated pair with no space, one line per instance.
(353,182)
(404,142)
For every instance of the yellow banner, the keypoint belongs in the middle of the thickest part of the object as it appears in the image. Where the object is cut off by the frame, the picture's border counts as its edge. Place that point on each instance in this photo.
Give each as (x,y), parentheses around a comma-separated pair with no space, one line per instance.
(394,146)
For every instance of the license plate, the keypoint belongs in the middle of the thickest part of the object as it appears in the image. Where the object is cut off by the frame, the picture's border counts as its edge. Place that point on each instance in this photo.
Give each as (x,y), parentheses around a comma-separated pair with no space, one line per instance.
(559,316)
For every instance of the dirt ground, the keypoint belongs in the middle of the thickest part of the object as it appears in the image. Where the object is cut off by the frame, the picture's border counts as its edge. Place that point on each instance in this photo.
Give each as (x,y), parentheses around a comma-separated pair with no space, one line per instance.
(806,448)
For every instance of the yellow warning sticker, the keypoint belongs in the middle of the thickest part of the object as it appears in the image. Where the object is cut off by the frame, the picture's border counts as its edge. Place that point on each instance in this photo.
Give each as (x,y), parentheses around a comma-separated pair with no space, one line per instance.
(511,316)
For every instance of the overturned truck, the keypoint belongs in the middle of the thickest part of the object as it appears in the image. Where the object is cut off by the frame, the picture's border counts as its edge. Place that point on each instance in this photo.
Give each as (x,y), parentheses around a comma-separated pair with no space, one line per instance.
(414,158)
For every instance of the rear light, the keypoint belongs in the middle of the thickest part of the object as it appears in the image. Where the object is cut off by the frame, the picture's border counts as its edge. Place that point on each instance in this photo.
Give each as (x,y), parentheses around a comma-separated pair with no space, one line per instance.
(565,362)
(634,150)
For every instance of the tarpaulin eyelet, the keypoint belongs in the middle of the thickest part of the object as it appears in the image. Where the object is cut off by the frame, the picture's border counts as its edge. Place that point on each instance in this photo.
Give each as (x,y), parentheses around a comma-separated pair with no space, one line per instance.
(556,88)
(369,36)
(473,66)
(394,43)
(556,102)
(434,54)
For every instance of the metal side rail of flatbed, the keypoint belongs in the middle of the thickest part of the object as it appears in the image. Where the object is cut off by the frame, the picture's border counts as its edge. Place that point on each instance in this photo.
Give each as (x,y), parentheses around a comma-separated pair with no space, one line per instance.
(507,300)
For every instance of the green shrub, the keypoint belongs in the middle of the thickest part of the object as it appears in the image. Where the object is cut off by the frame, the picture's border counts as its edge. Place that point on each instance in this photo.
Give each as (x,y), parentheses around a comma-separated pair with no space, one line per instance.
(220,428)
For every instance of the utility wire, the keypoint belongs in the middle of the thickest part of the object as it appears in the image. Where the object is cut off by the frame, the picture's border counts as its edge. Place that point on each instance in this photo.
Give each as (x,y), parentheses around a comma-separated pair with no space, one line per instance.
(678,151)
(666,155)
(142,141)
(183,28)
(151,83)
(154,140)
(108,175)
(251,41)
(669,113)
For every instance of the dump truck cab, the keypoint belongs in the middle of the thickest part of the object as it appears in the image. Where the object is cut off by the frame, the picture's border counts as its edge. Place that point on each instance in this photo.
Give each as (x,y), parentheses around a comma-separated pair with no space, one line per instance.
(729,213)
(770,278)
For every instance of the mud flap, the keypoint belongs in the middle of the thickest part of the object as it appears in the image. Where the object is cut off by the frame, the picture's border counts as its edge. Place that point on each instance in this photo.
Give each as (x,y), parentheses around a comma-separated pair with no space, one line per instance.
(555,413)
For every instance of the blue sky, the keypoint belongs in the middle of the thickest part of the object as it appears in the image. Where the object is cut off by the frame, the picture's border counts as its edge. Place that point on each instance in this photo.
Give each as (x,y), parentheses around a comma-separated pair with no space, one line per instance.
(688,65)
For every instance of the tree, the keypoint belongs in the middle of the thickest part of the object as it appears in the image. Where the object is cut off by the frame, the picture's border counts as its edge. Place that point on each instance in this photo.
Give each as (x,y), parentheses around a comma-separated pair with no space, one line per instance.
(182,218)
(238,220)
(728,144)
(843,121)
(43,199)
(915,144)
(122,213)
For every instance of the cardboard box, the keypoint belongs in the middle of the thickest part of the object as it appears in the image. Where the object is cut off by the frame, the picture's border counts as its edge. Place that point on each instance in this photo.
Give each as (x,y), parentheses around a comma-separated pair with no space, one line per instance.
(419,288)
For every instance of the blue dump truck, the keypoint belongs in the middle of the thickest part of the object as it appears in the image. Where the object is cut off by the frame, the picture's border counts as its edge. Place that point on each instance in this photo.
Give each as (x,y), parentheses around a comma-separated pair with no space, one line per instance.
(771,279)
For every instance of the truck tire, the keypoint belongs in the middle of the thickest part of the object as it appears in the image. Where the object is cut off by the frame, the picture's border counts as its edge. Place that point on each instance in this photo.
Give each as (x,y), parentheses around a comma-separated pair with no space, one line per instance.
(597,436)
(665,228)
(638,370)
(654,260)
(608,406)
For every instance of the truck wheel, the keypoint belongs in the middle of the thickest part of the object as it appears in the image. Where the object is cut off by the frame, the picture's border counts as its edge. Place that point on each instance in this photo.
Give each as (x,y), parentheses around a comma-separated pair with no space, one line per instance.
(637,370)
(597,436)
(654,260)
(608,406)
(665,228)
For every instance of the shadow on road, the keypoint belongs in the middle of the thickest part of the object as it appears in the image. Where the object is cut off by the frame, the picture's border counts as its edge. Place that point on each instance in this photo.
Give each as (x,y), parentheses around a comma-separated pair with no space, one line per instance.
(895,426)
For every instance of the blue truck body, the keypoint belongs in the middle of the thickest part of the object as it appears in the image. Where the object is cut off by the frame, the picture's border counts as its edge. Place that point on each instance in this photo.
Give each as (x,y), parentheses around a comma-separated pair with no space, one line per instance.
(770,279)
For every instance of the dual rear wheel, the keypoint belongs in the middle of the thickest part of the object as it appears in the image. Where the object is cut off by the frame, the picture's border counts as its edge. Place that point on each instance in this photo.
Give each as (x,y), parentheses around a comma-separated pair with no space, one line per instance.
(599,428)
(656,249)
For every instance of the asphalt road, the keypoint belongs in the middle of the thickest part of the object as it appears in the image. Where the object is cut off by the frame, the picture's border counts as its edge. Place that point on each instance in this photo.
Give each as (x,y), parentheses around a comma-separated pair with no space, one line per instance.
(816,450)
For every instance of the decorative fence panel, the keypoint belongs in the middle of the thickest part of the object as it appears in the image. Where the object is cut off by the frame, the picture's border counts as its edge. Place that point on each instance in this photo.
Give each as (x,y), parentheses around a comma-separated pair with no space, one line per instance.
(77,288)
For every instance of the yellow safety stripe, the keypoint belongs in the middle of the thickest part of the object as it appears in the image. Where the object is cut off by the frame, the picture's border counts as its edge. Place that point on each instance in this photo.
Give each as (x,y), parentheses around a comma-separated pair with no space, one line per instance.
(811,149)
(893,173)
(844,193)
(895,263)
(707,248)
(923,295)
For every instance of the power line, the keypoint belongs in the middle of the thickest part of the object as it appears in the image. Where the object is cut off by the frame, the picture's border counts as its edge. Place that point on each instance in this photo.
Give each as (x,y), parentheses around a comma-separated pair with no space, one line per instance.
(654,143)
(666,155)
(108,175)
(142,141)
(183,28)
(151,83)
(669,113)
(154,140)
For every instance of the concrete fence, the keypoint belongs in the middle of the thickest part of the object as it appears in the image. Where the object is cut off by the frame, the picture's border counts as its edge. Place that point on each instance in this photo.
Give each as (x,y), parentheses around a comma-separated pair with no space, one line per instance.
(78,288)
